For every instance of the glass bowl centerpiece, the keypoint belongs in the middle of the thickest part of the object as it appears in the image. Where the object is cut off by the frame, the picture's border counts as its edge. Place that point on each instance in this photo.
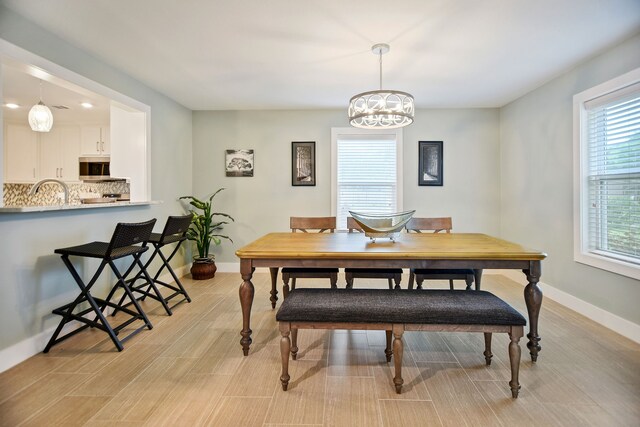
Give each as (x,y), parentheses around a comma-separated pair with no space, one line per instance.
(382,225)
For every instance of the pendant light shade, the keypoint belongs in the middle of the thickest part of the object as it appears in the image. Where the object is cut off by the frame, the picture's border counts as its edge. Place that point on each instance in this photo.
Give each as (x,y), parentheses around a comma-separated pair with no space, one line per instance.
(381,109)
(40,117)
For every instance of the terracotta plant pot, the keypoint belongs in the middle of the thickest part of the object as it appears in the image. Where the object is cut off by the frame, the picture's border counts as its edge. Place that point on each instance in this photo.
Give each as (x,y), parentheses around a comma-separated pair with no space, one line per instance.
(203,268)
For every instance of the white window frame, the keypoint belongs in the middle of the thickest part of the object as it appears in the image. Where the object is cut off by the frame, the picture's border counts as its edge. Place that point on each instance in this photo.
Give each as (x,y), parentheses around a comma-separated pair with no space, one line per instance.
(350,132)
(581,251)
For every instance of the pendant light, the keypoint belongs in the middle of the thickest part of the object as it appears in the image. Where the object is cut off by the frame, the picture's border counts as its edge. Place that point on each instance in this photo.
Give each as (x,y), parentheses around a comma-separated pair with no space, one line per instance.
(381,109)
(40,117)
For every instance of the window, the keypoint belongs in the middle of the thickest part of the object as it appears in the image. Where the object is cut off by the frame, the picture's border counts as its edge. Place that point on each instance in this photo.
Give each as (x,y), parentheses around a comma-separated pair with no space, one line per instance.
(366,172)
(607,127)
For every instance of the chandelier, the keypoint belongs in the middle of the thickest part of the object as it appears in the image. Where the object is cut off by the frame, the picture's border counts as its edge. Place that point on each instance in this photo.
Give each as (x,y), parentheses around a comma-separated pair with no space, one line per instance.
(40,117)
(381,109)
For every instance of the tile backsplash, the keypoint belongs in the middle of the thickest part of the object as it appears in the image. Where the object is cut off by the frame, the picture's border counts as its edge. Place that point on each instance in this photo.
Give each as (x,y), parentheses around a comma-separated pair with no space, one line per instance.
(51,193)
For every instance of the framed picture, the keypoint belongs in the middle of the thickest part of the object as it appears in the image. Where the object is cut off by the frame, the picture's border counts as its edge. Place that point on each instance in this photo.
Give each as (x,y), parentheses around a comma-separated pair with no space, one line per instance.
(239,162)
(303,163)
(430,163)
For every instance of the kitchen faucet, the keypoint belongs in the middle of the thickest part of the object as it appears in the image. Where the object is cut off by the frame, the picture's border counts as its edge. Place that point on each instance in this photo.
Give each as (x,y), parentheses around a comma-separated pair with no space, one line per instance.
(65,187)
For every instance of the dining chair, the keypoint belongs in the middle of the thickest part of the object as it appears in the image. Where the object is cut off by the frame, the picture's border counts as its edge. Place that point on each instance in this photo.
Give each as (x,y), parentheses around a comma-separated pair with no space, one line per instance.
(391,274)
(306,225)
(437,225)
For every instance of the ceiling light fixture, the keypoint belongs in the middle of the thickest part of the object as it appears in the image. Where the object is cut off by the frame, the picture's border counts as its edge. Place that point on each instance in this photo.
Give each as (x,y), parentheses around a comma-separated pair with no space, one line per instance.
(381,109)
(11,105)
(87,104)
(40,117)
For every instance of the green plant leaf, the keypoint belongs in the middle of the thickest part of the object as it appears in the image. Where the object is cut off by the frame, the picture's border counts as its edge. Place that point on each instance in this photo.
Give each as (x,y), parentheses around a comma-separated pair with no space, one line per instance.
(214,194)
(203,226)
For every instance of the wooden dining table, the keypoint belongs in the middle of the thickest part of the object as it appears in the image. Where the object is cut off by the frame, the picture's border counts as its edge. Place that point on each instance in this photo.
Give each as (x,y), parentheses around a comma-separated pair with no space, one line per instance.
(410,250)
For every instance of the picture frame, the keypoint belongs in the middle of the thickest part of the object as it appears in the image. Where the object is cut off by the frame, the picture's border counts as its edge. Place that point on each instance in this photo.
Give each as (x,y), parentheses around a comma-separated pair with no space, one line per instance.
(303,164)
(238,162)
(430,163)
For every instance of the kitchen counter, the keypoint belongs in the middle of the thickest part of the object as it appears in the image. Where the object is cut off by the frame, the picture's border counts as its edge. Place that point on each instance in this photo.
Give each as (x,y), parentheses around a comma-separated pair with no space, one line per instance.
(46,208)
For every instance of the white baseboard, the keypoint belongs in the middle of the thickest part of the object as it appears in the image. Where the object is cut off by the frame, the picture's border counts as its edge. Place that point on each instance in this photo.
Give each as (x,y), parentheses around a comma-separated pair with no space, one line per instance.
(608,320)
(231,267)
(11,356)
(31,346)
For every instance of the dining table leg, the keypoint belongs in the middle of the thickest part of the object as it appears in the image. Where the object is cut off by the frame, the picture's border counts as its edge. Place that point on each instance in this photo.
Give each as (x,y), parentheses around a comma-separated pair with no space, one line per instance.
(246,301)
(274,286)
(533,299)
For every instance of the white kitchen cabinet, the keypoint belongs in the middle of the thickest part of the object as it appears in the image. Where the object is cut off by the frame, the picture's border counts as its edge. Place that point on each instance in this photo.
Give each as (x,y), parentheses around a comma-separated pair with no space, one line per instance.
(70,152)
(20,154)
(59,152)
(95,140)
(30,156)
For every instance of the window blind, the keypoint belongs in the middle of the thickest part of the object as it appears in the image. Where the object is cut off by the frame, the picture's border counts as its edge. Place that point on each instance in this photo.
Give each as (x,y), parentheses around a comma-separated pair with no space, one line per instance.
(613,165)
(367,177)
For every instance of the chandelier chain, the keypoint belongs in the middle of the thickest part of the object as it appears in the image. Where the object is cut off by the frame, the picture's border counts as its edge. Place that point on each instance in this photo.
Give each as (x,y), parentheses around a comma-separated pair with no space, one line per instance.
(380,56)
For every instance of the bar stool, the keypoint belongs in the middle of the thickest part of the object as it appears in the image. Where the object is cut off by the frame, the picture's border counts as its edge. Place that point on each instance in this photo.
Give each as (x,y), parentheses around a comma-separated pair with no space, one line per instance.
(129,239)
(175,231)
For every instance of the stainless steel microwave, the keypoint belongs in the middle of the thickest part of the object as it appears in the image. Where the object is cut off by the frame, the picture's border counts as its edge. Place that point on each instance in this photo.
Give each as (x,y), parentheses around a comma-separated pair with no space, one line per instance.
(94,168)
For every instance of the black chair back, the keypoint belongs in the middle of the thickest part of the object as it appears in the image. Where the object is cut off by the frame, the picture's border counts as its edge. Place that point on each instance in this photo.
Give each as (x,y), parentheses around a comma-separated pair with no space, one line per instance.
(128,234)
(176,225)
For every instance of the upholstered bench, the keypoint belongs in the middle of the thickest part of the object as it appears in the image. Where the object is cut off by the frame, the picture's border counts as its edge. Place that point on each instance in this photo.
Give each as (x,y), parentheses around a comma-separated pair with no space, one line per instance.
(396,311)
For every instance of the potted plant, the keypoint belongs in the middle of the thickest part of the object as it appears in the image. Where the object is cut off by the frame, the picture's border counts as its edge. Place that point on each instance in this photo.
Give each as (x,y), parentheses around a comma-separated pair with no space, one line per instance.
(203,231)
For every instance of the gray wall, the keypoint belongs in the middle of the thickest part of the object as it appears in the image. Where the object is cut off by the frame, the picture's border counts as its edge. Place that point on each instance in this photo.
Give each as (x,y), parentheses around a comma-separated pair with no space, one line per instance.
(264,202)
(34,281)
(536,140)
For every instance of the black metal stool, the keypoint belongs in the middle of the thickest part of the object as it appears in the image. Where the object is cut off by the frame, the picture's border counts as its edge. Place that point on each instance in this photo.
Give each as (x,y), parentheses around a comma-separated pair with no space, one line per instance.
(175,231)
(128,239)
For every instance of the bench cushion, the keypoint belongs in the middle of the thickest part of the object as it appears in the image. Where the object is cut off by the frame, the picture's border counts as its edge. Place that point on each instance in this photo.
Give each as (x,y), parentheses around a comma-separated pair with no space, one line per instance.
(462,307)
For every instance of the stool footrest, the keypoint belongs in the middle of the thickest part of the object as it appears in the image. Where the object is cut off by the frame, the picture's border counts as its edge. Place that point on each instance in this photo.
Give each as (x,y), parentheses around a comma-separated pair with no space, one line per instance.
(80,316)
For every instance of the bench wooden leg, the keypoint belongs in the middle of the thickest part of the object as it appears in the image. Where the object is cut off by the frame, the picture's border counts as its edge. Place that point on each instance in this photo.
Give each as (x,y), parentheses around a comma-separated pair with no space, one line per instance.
(398,330)
(514,358)
(285,346)
(487,348)
(294,343)
(387,351)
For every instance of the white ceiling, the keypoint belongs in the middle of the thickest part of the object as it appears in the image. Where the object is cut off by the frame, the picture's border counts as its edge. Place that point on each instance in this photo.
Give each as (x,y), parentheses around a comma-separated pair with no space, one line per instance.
(22,88)
(258,54)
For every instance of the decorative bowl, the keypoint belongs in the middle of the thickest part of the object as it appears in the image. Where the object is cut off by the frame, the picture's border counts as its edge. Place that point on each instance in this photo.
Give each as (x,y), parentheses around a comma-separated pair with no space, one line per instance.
(382,225)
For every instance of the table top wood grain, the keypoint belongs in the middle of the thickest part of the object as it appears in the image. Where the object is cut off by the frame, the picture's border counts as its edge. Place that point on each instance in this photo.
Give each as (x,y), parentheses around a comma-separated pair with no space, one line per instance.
(453,246)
